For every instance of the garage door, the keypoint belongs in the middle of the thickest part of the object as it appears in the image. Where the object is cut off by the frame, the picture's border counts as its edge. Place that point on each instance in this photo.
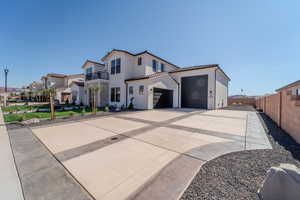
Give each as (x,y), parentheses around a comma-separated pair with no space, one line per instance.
(162,98)
(194,91)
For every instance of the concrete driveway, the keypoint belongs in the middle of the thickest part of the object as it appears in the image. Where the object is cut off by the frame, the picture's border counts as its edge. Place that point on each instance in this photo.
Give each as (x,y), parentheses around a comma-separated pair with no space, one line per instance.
(149,154)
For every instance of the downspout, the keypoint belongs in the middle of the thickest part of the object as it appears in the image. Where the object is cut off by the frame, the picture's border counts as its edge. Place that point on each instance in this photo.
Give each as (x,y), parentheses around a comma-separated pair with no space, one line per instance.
(177,90)
(126,94)
(178,96)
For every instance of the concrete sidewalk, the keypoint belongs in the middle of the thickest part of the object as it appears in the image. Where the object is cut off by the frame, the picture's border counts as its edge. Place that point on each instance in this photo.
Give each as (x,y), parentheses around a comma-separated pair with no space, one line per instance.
(10,184)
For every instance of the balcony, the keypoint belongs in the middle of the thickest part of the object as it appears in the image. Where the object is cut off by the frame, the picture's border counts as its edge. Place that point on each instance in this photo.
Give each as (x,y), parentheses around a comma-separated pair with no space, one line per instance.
(97,75)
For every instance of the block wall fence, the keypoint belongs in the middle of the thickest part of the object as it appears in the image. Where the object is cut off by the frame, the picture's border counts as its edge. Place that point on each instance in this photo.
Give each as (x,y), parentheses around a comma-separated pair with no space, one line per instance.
(284,109)
(250,101)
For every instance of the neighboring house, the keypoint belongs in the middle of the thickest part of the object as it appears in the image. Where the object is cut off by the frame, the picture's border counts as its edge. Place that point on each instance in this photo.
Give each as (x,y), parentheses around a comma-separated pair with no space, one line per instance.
(33,91)
(62,84)
(77,92)
(152,82)
(96,76)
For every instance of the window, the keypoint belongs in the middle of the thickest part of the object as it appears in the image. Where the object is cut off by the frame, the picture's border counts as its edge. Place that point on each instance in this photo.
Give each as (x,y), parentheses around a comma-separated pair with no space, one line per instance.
(141,89)
(89,70)
(298,92)
(154,65)
(140,61)
(118,66)
(112,95)
(115,94)
(113,67)
(162,67)
(131,90)
(118,94)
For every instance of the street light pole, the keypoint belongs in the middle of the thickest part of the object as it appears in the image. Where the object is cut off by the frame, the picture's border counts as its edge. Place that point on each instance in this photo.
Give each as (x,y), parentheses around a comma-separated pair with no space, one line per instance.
(5,88)
(6,72)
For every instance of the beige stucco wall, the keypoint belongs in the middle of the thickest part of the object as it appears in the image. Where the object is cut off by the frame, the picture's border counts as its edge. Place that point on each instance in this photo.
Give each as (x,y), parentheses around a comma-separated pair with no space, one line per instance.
(221,90)
(58,82)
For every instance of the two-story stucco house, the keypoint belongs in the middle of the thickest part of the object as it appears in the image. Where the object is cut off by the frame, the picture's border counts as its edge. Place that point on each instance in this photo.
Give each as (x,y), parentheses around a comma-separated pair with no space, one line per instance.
(62,83)
(96,76)
(152,82)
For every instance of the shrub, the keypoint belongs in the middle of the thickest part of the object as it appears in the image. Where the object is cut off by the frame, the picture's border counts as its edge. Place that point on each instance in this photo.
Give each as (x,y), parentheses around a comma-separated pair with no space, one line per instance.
(21,118)
(130,107)
(106,109)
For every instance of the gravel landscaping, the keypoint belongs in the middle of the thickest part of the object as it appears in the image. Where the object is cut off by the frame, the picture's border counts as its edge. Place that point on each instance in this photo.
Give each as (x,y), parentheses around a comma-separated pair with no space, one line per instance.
(239,175)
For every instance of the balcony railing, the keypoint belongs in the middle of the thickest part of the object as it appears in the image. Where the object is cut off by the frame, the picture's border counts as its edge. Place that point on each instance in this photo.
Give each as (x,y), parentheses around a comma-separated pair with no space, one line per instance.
(97,75)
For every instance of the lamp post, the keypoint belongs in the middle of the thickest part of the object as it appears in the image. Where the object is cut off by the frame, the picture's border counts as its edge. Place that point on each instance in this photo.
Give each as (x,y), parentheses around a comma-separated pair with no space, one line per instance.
(6,72)
(5,88)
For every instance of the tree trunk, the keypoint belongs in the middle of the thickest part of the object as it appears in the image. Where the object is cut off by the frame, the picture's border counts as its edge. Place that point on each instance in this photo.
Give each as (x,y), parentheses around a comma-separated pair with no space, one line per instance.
(52,106)
(94,102)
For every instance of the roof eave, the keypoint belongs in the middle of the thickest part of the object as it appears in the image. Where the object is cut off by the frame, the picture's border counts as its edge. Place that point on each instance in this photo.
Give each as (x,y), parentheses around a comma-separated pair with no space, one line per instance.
(289,86)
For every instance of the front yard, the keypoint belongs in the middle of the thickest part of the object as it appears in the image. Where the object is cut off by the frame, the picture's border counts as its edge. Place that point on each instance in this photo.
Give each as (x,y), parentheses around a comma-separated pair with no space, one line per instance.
(25,112)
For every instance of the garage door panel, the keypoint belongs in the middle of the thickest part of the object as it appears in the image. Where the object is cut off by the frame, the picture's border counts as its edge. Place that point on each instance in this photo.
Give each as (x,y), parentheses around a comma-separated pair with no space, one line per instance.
(194,91)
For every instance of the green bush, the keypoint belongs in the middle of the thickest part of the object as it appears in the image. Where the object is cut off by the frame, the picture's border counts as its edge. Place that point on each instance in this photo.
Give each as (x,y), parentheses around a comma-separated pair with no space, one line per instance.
(130,107)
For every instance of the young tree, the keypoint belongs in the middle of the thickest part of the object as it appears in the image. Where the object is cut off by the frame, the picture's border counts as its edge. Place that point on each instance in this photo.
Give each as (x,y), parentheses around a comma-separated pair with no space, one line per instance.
(52,95)
(94,89)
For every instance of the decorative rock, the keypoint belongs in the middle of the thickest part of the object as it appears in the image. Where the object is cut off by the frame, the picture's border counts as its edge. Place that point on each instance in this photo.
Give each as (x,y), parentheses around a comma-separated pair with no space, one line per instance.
(68,108)
(31,121)
(44,110)
(281,183)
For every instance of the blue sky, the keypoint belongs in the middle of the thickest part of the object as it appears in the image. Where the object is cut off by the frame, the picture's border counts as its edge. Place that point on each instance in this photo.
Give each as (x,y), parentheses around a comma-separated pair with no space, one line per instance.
(256,42)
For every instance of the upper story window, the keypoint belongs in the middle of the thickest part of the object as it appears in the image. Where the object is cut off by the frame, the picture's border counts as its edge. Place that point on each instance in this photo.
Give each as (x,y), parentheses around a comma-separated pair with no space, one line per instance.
(154,65)
(118,66)
(139,60)
(115,66)
(89,70)
(131,90)
(162,67)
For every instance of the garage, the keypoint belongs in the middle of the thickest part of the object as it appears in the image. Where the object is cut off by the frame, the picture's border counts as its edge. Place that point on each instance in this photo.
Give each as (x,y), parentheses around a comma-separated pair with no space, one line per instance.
(162,98)
(194,91)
